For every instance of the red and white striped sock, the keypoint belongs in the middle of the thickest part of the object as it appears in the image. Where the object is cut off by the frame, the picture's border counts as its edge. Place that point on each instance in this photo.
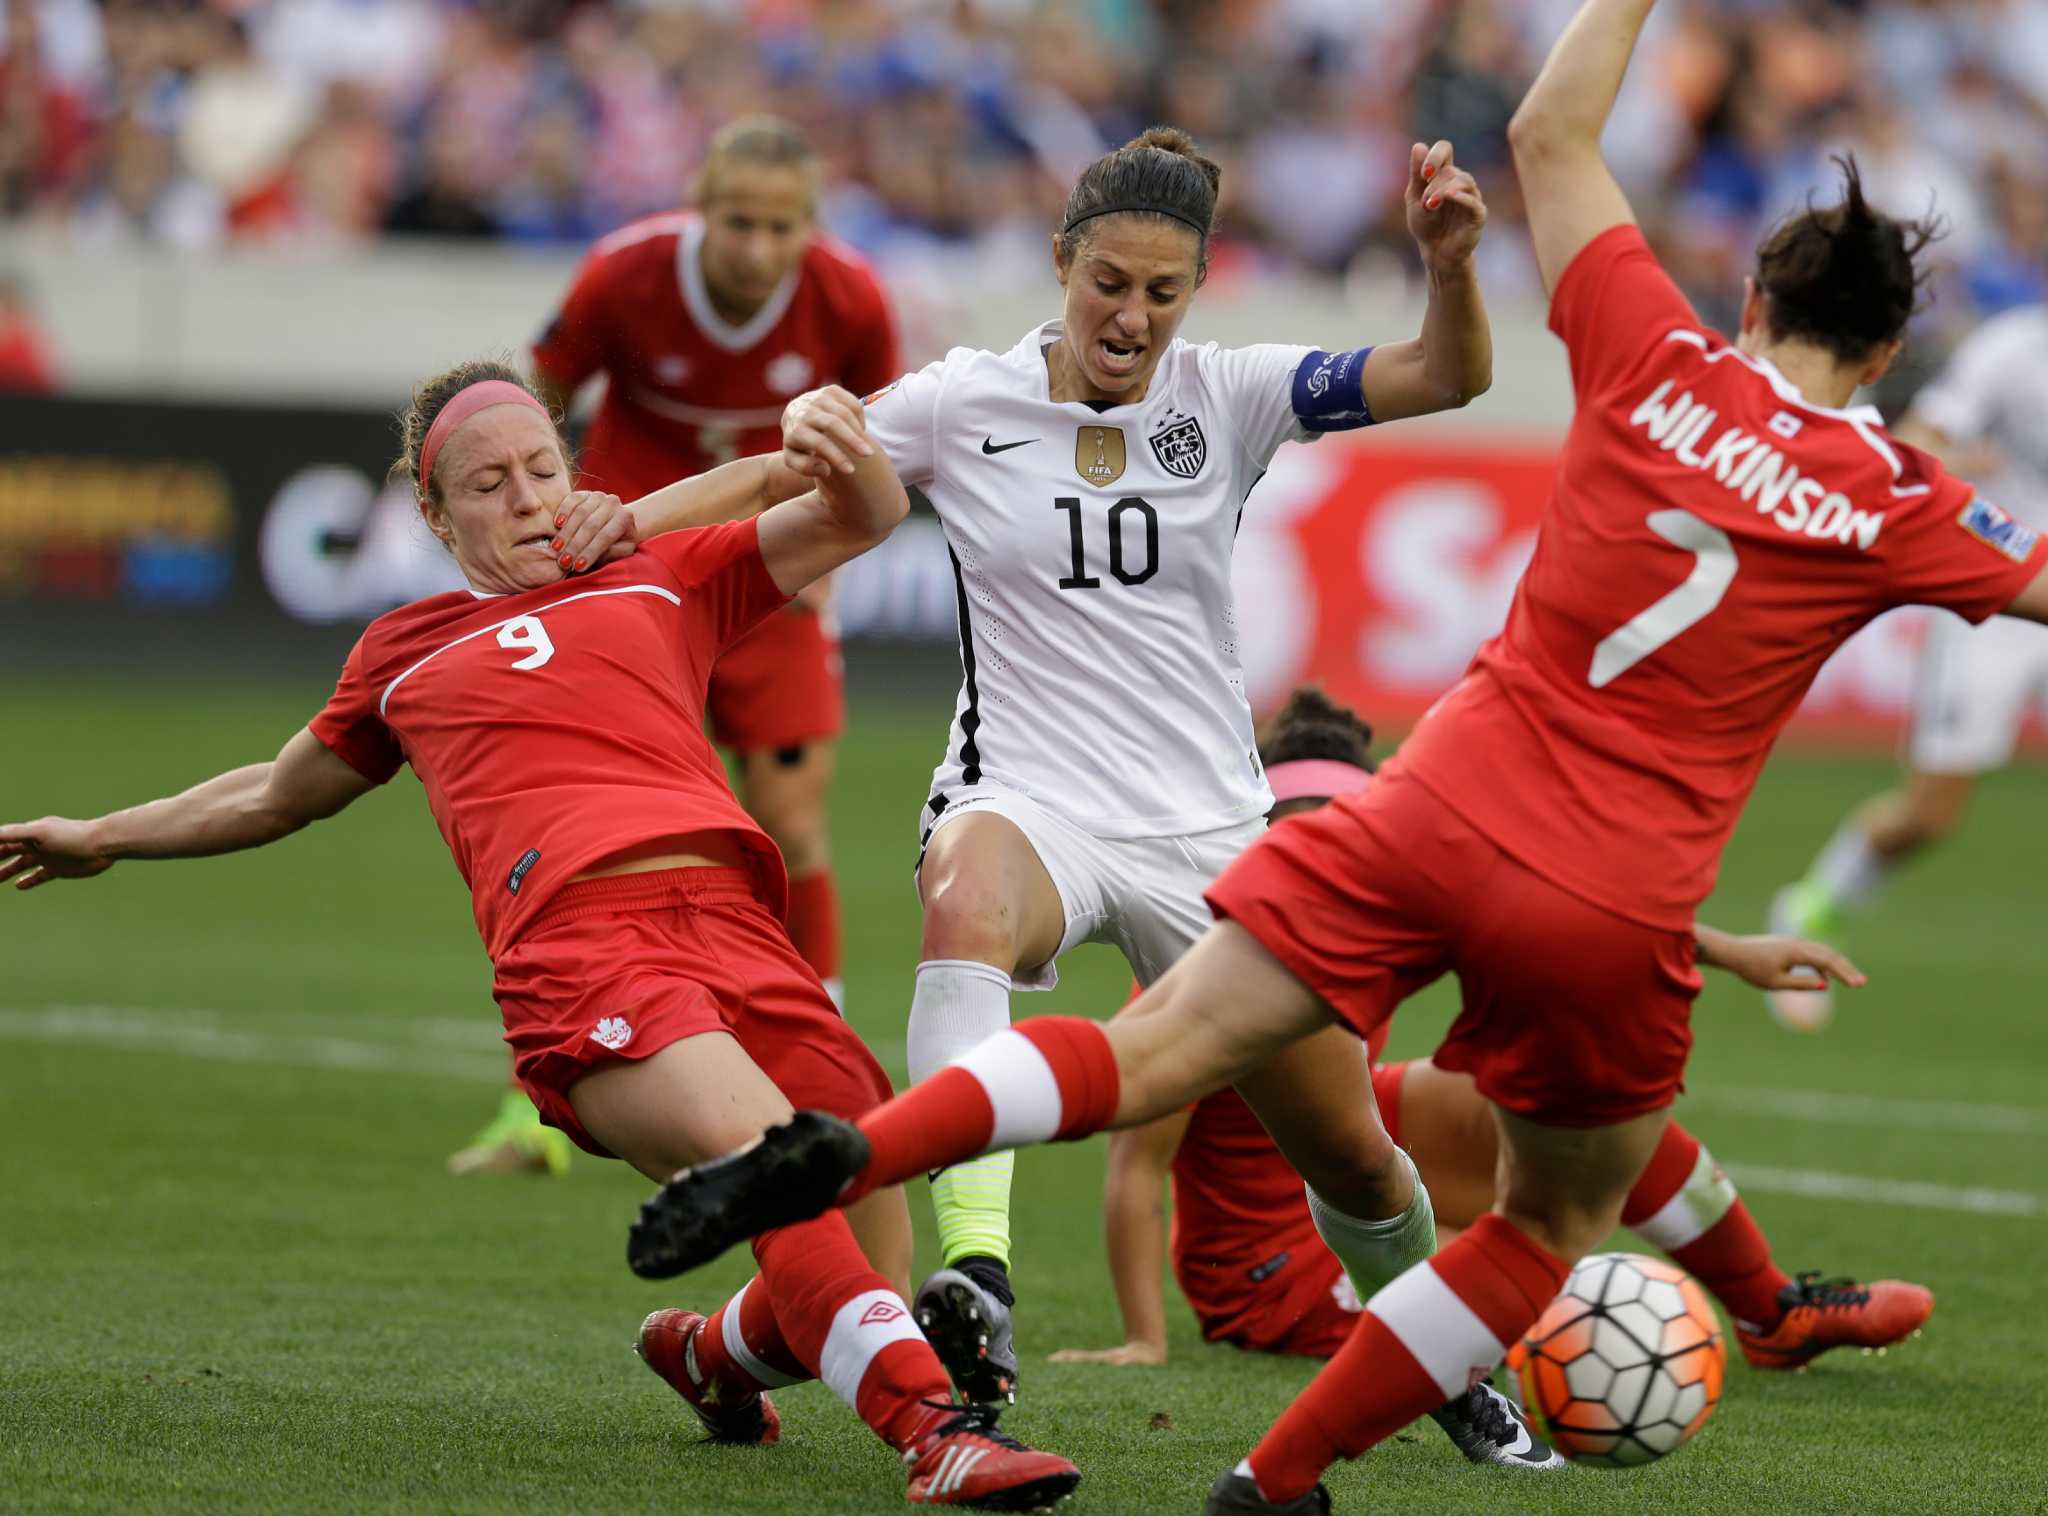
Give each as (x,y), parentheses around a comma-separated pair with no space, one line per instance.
(742,1344)
(1687,1206)
(1051,1079)
(1423,1339)
(835,1314)
(813,922)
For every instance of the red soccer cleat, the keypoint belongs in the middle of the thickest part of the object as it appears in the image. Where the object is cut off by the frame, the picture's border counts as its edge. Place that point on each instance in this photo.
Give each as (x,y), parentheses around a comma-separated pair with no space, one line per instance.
(1836,1313)
(668,1345)
(961,1459)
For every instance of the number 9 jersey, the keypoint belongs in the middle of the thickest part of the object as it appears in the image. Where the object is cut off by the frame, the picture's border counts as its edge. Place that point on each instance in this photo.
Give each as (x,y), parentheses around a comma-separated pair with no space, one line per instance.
(1710,540)
(1091,550)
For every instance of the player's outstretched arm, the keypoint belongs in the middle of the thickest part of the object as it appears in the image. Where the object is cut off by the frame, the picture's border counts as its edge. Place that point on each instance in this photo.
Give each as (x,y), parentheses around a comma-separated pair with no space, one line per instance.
(856,501)
(2032,602)
(243,808)
(1776,963)
(1555,134)
(1134,1231)
(1451,363)
(593,527)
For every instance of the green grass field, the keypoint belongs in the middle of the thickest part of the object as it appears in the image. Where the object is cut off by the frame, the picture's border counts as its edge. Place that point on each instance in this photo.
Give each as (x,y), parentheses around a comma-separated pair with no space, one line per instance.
(233,1276)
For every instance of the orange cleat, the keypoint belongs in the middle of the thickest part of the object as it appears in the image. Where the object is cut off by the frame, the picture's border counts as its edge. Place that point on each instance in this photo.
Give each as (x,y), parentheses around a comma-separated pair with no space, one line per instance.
(961,1459)
(1836,1313)
(668,1345)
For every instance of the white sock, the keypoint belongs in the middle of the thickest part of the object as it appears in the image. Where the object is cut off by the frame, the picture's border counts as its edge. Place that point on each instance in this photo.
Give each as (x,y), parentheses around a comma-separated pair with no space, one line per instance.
(1375,1253)
(861,1328)
(1849,870)
(958,1006)
(957,1003)
(1707,1195)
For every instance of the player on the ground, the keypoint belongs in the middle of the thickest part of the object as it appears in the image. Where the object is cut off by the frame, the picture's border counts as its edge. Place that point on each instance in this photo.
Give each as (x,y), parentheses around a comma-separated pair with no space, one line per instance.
(1102,767)
(1244,1249)
(704,323)
(655,1008)
(1987,416)
(1720,524)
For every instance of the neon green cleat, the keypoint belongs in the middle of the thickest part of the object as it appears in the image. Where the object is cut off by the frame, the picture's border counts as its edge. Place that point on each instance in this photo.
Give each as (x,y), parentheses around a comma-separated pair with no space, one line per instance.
(515,1142)
(1803,910)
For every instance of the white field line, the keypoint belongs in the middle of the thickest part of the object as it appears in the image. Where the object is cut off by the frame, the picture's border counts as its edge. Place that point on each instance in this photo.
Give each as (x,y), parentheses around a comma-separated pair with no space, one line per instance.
(1874,1110)
(1913,1193)
(193,1034)
(191,1037)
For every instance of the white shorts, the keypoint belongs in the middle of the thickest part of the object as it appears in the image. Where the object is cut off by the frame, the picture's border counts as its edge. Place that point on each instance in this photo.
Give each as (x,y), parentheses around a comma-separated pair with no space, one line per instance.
(1141,895)
(1974,688)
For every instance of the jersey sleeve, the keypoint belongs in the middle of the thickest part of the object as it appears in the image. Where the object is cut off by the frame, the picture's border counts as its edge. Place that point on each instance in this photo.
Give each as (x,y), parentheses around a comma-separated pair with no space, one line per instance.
(351,728)
(903,422)
(1277,392)
(572,348)
(1963,553)
(727,589)
(1613,305)
(872,361)
(1963,400)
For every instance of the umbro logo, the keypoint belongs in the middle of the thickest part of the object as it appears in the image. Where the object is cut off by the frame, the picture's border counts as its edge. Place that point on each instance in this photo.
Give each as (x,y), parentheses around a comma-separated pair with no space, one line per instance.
(880,1313)
(991,447)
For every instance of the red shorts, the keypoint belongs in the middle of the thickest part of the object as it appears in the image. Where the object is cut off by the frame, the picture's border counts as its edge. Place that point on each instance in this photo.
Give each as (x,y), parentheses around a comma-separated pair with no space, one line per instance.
(782,685)
(1572,1016)
(621,967)
(1310,1318)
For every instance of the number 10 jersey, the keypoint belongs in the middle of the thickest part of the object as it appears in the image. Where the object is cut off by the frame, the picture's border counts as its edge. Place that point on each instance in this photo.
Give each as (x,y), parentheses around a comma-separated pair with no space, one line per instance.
(1091,552)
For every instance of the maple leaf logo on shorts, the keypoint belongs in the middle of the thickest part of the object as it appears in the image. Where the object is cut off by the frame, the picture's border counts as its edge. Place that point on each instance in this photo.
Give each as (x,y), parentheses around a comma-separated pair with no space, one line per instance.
(613,1032)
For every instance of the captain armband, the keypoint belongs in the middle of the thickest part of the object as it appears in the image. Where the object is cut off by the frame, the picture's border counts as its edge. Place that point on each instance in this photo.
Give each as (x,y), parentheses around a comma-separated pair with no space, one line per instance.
(1329,391)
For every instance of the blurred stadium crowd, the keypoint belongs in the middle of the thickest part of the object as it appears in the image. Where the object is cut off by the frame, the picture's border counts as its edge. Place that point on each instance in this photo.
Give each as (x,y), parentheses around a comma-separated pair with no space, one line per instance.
(953,127)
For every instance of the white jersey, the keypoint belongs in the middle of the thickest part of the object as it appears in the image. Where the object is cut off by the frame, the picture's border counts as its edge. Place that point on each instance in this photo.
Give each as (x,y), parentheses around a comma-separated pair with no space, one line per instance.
(1092,547)
(1995,391)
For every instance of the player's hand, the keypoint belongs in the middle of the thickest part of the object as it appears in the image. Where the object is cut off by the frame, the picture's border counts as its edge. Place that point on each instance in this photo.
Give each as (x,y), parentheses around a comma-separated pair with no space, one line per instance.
(825,432)
(33,853)
(592,528)
(1785,963)
(1446,213)
(1131,1353)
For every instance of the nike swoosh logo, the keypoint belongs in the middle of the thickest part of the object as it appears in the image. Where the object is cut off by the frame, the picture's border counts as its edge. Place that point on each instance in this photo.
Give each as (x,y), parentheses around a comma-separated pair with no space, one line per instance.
(991,447)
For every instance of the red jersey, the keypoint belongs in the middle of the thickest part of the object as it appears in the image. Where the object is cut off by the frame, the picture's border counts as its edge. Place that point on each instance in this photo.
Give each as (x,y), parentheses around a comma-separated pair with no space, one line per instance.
(1240,1216)
(686,390)
(558,726)
(1711,539)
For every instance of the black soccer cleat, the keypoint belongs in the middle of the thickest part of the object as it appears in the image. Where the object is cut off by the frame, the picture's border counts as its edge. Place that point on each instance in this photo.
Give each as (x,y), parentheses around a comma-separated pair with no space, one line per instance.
(793,1173)
(965,1315)
(1490,1428)
(1235,1494)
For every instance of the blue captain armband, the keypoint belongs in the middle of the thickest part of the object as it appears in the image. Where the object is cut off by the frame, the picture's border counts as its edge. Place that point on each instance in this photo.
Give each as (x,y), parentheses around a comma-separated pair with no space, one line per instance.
(1329,392)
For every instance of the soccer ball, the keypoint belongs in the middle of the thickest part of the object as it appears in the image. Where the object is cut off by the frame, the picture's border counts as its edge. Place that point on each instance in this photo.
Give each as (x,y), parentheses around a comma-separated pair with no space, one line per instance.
(1626,1364)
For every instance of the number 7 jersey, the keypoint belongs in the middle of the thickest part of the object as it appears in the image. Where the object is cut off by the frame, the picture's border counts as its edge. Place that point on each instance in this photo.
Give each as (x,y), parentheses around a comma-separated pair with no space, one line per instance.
(1092,552)
(1710,540)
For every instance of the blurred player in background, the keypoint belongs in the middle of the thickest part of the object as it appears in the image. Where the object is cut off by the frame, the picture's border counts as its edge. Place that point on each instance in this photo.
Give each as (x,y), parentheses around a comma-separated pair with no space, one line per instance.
(1244,1247)
(704,323)
(1720,525)
(655,1007)
(1985,416)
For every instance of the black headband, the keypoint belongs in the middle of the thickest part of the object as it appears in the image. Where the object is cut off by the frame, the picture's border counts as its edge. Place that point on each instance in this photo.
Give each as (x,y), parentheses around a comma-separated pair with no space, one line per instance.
(1137,205)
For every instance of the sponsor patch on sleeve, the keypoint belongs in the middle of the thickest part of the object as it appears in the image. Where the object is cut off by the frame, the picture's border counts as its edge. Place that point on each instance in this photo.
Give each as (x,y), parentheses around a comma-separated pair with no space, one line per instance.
(1995,528)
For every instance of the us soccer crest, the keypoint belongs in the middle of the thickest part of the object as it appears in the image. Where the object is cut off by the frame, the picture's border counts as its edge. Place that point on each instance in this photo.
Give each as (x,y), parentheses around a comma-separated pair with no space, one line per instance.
(1099,454)
(1180,446)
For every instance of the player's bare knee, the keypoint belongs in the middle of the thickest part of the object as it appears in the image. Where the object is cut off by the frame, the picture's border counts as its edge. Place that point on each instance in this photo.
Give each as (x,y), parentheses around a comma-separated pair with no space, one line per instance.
(968,917)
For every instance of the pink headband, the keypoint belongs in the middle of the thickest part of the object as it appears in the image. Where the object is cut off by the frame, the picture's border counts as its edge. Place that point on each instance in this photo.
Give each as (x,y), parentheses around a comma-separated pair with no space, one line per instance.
(1315,779)
(466,402)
